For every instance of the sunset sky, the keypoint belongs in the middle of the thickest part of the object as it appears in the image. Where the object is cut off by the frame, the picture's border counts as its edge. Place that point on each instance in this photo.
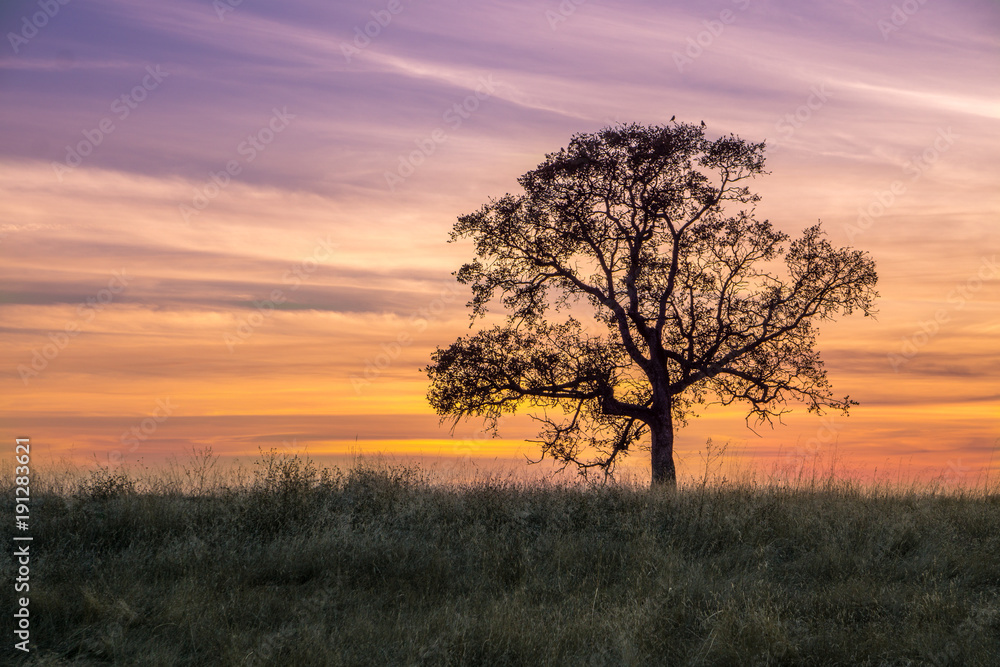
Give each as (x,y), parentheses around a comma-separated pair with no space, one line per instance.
(226,223)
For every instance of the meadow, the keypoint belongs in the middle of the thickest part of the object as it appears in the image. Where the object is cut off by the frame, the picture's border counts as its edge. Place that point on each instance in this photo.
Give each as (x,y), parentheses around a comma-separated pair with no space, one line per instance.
(377,564)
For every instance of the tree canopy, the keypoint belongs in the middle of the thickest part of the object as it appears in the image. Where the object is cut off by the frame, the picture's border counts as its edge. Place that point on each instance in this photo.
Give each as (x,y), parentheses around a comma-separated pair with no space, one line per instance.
(638,285)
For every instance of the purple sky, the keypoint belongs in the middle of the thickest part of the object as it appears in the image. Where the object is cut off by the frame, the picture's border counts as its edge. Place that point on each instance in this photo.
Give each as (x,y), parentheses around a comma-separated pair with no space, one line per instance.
(854,97)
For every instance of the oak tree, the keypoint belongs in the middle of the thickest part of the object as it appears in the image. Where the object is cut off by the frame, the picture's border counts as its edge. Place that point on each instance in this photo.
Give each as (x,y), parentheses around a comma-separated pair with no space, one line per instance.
(638,285)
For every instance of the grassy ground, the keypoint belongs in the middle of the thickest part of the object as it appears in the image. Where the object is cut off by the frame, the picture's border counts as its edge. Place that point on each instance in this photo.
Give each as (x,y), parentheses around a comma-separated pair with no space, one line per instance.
(294,566)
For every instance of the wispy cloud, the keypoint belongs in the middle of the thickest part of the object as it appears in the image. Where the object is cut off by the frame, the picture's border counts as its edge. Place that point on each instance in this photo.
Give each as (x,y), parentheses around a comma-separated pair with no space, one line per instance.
(884,102)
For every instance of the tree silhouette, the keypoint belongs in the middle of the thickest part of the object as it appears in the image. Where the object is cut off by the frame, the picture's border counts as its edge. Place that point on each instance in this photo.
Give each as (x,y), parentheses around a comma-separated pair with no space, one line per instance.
(688,300)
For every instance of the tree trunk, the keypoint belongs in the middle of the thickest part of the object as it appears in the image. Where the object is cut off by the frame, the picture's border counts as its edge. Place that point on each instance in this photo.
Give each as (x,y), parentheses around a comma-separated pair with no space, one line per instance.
(662,432)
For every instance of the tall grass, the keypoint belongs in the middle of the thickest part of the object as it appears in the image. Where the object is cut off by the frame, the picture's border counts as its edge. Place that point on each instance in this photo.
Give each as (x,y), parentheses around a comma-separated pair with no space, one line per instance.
(291,564)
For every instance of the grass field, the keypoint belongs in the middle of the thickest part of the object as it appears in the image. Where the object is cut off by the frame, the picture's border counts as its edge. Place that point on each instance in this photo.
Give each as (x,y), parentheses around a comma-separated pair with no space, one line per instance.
(377,565)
